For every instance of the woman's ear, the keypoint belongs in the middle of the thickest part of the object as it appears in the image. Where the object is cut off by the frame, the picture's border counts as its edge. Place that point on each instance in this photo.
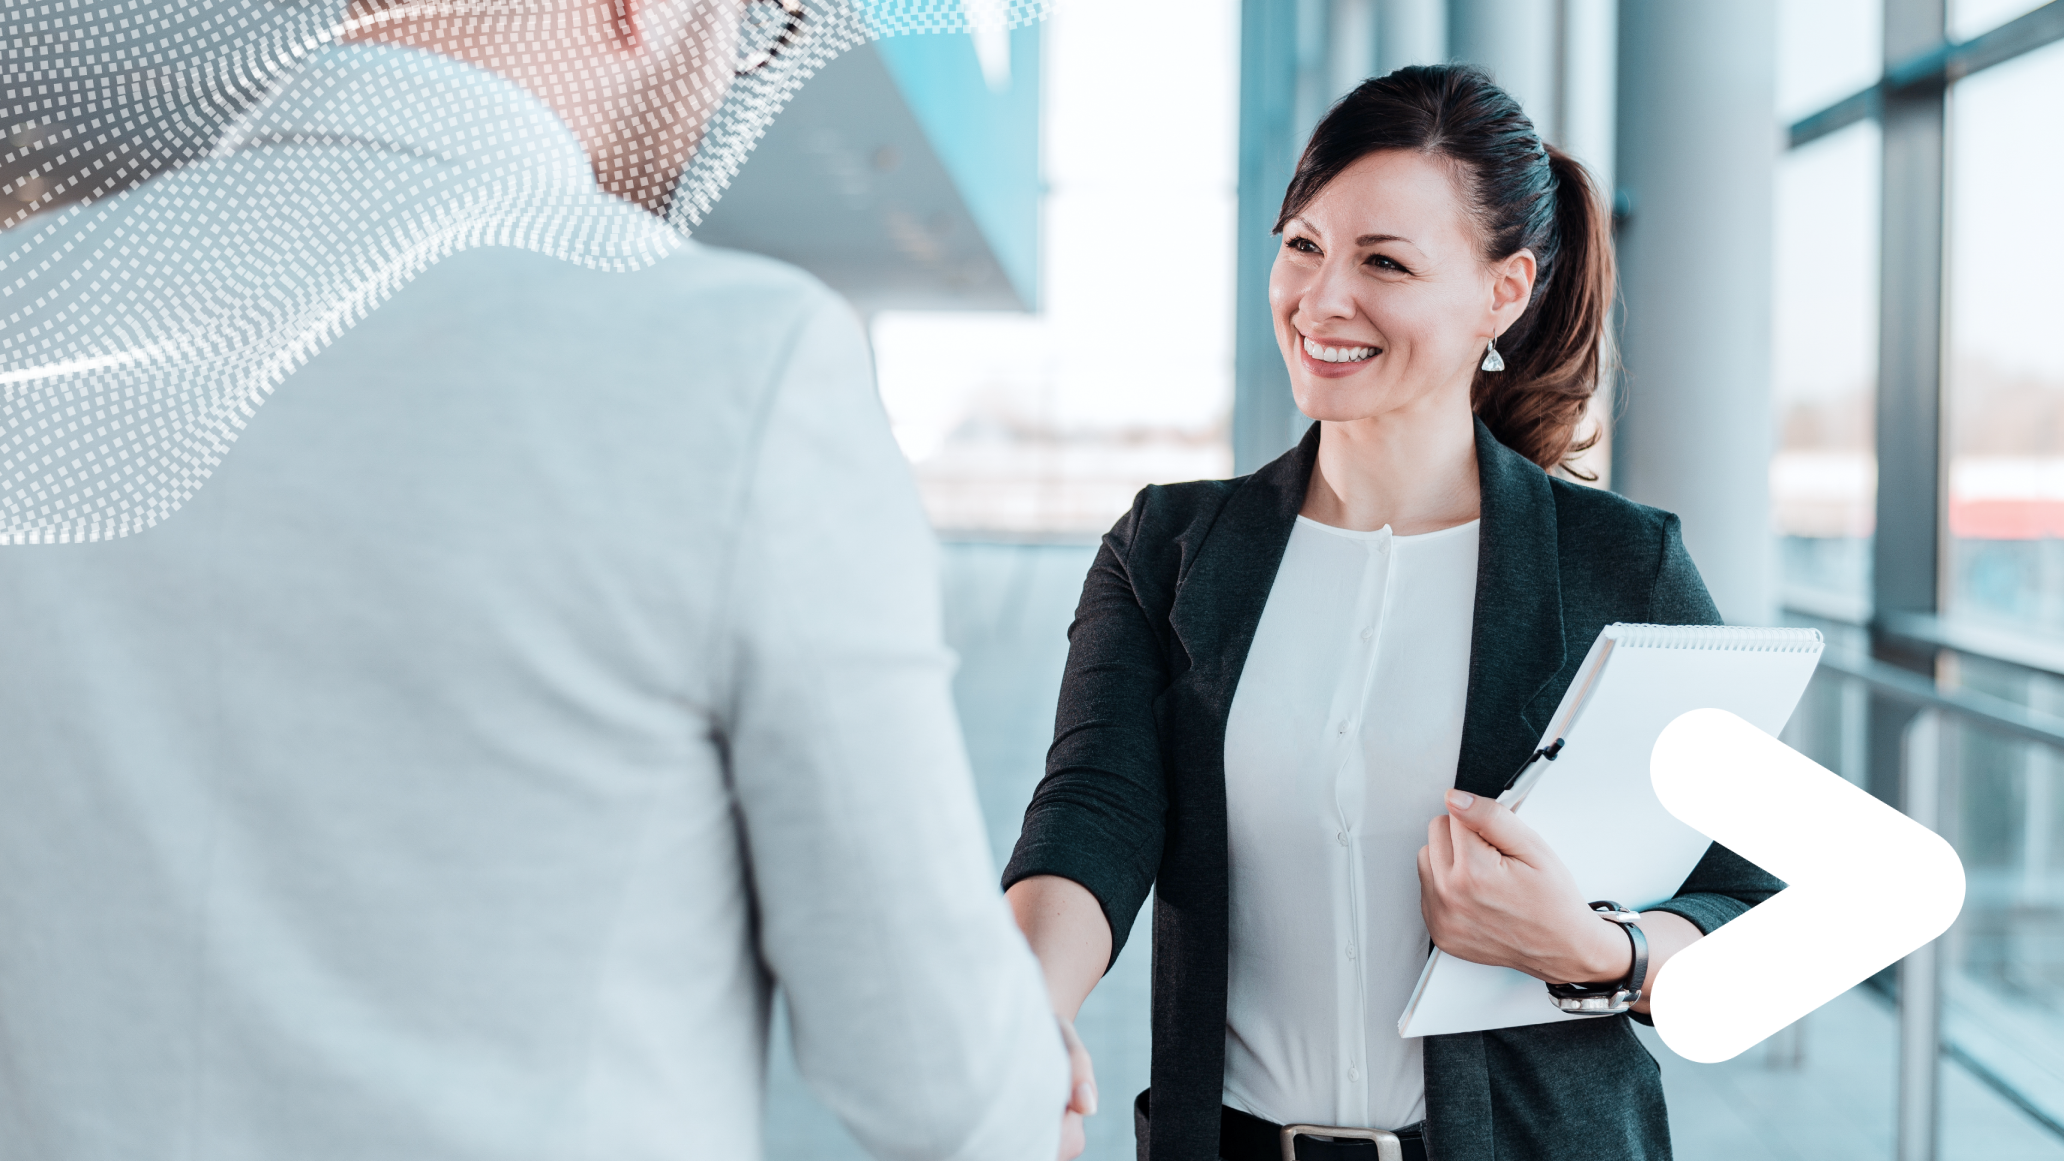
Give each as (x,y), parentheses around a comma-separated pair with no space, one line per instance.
(1512,287)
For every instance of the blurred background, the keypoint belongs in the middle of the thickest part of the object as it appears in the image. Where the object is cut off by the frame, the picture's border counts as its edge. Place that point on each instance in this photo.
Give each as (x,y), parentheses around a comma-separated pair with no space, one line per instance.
(1839,363)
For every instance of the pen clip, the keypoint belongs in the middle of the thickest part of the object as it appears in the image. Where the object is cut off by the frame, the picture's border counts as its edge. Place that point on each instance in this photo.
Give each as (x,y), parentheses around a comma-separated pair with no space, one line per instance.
(1547,752)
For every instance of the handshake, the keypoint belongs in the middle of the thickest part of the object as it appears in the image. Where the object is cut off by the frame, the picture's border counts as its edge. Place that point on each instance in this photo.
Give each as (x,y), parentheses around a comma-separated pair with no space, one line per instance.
(1082,1092)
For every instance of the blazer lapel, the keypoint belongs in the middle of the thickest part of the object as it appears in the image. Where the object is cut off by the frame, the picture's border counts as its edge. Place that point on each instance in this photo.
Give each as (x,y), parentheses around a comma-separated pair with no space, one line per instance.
(1224,585)
(1516,647)
(1516,643)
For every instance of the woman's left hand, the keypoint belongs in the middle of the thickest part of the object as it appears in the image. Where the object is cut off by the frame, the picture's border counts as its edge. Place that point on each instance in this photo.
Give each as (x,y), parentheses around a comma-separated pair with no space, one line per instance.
(1493,892)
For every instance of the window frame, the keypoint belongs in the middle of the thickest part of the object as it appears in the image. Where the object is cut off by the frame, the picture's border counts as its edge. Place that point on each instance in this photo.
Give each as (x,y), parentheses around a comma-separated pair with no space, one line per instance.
(1909,100)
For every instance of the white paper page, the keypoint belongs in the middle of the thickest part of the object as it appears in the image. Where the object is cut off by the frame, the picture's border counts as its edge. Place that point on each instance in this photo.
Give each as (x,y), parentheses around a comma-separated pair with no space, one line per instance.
(1597,808)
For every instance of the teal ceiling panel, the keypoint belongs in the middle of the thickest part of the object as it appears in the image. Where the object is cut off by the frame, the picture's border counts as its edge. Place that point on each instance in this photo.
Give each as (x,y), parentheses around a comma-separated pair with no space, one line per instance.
(983,123)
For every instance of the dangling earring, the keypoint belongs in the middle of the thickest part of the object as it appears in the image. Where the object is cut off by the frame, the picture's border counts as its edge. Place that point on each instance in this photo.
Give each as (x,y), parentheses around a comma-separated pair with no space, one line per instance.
(1492,361)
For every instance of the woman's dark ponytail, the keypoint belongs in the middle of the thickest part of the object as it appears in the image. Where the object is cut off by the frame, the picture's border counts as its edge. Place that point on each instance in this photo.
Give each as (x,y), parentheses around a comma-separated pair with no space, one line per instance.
(1536,405)
(1524,195)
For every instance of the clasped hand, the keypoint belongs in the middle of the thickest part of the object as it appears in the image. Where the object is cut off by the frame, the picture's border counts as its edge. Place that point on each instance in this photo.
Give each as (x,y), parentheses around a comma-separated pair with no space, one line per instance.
(1493,892)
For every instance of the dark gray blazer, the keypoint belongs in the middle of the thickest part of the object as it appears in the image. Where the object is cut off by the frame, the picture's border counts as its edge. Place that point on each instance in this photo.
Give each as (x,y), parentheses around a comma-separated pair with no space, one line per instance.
(1134,795)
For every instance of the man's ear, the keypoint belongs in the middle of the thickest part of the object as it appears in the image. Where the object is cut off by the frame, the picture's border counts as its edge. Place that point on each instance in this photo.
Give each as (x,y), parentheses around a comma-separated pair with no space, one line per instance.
(641,25)
(636,22)
(626,17)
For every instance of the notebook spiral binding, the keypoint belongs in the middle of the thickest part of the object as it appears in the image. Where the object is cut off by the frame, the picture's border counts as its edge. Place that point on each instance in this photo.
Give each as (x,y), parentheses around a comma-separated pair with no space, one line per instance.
(1713,637)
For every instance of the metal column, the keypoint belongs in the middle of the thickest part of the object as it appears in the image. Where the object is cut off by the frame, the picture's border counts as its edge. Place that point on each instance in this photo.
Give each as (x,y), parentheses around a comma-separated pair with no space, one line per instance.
(1518,41)
(1909,507)
(1265,417)
(1905,754)
(1904,561)
(1696,156)
(1410,32)
(1920,974)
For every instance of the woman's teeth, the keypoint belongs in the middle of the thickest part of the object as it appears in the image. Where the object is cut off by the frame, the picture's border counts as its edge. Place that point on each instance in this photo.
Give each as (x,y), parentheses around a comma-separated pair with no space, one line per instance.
(1337,354)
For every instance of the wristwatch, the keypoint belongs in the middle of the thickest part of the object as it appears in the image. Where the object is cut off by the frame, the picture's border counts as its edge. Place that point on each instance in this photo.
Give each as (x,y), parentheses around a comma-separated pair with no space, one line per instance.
(1604,998)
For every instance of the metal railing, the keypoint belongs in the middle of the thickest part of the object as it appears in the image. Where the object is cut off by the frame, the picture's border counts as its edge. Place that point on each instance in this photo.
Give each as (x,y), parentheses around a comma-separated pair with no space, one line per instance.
(1920,1004)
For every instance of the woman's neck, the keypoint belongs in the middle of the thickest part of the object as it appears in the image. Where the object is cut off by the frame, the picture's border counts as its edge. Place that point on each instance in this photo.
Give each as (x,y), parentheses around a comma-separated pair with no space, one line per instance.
(1414,470)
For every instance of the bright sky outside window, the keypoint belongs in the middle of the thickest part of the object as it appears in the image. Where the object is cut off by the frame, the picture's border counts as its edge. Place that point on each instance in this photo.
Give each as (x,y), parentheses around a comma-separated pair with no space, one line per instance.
(1824,347)
(2005,413)
(1046,425)
(1969,18)
(1826,50)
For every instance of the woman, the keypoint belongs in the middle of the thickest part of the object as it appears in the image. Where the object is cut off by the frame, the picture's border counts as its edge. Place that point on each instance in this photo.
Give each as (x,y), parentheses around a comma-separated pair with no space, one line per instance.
(1275,681)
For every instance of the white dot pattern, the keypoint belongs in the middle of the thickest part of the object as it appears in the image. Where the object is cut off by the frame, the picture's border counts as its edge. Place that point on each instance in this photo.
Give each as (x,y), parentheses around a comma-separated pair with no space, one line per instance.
(195,198)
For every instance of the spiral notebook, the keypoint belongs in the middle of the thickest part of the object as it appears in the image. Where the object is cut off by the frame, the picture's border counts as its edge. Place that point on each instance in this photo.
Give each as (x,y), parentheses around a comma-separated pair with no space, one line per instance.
(1587,790)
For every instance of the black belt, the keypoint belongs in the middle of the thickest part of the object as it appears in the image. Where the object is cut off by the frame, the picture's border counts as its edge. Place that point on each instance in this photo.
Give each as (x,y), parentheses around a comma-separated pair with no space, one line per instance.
(1242,1135)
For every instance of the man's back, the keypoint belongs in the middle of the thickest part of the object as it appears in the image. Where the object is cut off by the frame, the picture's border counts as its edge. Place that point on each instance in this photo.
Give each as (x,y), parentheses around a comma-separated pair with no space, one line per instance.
(548,651)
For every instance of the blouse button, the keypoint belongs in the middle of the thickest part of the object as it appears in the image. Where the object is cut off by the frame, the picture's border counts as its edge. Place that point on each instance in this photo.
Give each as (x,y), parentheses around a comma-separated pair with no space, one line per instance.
(1342,837)
(1368,632)
(1350,952)
(1354,1074)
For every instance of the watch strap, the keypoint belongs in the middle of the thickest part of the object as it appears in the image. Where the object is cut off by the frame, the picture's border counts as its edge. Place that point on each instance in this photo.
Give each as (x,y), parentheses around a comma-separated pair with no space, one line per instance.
(1603,998)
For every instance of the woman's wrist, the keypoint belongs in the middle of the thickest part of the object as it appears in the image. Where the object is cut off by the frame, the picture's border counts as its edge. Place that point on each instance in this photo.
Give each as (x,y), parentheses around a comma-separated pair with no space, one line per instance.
(1603,952)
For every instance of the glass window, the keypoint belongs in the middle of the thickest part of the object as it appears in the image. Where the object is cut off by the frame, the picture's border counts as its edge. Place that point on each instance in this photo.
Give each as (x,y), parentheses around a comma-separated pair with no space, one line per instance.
(2003,812)
(1969,18)
(1823,476)
(2004,566)
(1826,50)
(1044,426)
(2005,413)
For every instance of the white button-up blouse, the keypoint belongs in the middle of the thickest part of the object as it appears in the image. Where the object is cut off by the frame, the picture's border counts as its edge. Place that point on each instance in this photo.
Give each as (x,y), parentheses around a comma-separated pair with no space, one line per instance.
(1343,736)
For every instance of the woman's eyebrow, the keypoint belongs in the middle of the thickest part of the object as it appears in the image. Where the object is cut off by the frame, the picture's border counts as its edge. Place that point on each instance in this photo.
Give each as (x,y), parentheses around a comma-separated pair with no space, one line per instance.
(1364,240)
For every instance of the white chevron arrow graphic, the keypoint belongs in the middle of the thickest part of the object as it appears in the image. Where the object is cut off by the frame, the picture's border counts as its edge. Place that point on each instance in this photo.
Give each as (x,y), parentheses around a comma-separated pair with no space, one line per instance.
(1867,885)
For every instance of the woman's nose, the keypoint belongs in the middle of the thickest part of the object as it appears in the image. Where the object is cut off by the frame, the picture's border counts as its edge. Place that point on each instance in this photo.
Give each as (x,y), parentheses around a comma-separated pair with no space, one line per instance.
(1330,295)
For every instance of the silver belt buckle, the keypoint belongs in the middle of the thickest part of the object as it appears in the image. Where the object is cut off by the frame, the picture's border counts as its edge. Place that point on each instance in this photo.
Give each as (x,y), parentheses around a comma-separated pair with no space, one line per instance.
(1388,1148)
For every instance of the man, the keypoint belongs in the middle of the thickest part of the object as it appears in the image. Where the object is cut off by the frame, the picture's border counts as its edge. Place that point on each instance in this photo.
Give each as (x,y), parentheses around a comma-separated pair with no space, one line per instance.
(552,670)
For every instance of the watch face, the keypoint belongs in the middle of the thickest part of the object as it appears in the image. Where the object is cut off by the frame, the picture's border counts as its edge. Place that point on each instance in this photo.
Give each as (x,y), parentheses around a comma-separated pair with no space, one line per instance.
(1599,1005)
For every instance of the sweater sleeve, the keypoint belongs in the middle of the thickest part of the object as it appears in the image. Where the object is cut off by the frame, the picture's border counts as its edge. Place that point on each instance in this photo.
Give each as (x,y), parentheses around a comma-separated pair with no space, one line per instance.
(918,1013)
(1099,815)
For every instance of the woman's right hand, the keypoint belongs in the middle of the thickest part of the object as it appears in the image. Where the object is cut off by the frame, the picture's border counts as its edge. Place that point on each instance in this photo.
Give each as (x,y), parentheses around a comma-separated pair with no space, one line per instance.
(1082,1093)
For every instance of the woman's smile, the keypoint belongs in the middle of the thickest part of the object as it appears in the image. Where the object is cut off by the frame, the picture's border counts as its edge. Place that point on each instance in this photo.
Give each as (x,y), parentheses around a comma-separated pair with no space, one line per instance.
(1334,358)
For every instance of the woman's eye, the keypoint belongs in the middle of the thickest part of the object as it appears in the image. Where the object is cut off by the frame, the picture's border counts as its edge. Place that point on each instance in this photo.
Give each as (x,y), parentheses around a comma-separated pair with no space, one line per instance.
(1383,263)
(1302,244)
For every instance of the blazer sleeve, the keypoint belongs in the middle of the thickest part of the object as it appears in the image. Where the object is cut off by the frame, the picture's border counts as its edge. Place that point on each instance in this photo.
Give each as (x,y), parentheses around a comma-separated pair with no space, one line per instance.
(1723,885)
(1099,815)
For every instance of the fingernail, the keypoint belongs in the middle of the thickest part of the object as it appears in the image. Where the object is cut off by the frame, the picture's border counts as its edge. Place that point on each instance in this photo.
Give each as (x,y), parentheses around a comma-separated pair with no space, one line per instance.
(1460,800)
(1086,1099)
